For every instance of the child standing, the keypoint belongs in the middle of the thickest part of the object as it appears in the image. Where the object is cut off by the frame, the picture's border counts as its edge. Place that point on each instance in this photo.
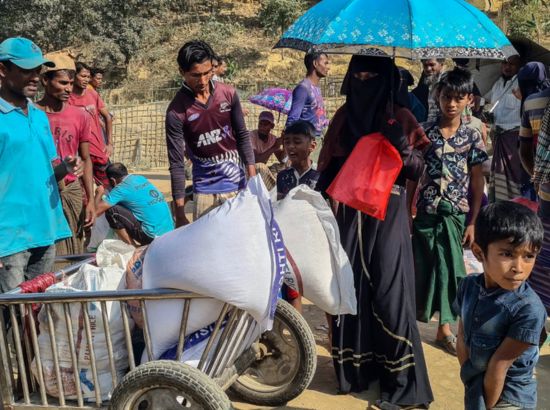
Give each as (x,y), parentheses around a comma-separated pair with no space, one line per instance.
(299,142)
(452,161)
(501,317)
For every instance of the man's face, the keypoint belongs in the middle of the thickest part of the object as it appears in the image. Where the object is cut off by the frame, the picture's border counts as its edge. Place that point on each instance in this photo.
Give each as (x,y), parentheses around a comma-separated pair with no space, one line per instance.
(432,67)
(264,127)
(82,79)
(59,87)
(198,77)
(97,80)
(322,65)
(19,81)
(222,69)
(510,67)
(506,265)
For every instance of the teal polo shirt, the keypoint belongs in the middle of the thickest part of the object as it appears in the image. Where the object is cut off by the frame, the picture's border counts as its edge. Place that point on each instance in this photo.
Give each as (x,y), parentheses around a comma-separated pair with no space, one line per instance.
(145,201)
(31,214)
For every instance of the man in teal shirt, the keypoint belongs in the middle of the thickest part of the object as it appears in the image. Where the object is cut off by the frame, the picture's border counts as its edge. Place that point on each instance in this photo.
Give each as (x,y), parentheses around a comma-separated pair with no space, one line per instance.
(31,216)
(134,207)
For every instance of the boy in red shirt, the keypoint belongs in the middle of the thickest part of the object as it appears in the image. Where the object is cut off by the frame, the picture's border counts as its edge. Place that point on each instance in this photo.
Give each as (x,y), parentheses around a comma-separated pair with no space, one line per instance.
(90,101)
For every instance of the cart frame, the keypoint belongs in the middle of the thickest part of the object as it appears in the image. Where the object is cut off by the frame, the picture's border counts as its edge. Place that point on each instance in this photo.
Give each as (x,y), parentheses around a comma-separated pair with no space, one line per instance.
(234,352)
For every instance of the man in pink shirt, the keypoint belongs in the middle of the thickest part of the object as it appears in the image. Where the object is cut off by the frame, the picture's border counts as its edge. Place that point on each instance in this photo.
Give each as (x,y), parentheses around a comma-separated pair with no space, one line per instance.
(71,131)
(264,143)
(90,101)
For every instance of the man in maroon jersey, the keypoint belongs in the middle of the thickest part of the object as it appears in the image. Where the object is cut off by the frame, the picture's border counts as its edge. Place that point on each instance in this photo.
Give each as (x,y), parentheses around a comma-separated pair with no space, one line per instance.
(205,121)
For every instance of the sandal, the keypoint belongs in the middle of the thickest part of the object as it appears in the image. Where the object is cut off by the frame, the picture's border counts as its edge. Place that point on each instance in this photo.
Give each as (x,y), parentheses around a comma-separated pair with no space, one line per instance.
(448,343)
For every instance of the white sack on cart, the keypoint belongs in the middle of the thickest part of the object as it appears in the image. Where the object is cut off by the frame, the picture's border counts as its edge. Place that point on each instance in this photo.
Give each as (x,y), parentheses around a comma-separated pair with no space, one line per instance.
(113,256)
(235,254)
(316,258)
(99,232)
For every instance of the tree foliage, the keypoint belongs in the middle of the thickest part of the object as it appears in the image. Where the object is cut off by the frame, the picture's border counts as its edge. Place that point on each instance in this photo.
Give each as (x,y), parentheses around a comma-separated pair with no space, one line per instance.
(106,32)
(529,18)
(277,15)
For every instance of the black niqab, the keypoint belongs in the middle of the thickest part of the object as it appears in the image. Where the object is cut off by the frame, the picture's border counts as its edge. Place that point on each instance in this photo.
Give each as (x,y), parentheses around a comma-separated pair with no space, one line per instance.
(367,100)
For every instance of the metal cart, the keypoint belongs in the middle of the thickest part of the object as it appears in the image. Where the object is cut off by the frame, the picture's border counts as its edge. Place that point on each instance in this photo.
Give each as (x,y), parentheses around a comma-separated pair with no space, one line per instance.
(267,370)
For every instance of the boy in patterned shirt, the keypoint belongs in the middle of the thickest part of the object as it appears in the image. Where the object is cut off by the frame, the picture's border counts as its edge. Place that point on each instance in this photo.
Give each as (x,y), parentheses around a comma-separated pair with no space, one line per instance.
(453,161)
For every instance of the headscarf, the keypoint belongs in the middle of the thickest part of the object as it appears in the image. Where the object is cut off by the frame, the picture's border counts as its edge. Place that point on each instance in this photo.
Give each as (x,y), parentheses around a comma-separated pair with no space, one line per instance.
(532,78)
(367,100)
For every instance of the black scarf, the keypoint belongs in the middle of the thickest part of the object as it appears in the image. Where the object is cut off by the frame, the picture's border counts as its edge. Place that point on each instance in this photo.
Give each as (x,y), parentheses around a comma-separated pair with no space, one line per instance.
(367,100)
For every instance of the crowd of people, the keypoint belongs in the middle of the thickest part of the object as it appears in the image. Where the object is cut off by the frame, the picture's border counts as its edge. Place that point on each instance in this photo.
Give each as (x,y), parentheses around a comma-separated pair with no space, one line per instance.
(57,179)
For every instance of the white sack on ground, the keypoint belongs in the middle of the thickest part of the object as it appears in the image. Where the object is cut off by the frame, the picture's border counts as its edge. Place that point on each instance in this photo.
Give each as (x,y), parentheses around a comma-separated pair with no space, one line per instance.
(233,254)
(108,276)
(312,240)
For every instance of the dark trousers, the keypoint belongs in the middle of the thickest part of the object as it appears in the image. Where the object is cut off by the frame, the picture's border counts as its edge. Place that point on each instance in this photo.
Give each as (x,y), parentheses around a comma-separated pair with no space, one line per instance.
(120,217)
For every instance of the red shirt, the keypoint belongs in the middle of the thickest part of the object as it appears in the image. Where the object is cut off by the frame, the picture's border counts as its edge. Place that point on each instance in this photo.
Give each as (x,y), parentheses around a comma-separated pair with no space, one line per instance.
(70,127)
(91,103)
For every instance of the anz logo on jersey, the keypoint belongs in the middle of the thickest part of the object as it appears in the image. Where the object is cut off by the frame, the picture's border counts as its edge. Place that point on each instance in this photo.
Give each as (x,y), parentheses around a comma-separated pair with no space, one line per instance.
(209,138)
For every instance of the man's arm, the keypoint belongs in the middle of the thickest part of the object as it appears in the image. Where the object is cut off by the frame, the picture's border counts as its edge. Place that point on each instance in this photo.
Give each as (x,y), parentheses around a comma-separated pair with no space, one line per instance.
(108,128)
(280,150)
(175,145)
(242,136)
(87,177)
(299,98)
(498,366)
(477,183)
(100,205)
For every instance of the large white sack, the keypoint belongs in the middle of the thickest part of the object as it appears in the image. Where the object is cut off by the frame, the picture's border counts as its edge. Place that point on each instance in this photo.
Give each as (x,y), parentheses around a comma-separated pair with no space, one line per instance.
(316,257)
(235,254)
(99,232)
(108,276)
(164,319)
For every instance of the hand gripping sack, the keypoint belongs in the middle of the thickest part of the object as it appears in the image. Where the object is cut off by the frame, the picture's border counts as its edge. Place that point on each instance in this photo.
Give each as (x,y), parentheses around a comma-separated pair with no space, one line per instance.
(234,254)
(112,256)
(318,265)
(366,178)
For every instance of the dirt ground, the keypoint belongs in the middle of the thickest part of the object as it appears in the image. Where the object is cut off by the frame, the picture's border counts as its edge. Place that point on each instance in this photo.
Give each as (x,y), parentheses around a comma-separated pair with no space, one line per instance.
(321,395)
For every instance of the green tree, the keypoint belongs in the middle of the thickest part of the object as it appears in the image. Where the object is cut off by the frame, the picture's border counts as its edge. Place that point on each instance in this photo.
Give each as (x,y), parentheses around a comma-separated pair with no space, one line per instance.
(277,15)
(529,18)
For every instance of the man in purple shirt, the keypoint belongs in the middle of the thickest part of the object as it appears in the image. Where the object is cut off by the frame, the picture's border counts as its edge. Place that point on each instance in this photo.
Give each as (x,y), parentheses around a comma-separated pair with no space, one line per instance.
(307,101)
(205,122)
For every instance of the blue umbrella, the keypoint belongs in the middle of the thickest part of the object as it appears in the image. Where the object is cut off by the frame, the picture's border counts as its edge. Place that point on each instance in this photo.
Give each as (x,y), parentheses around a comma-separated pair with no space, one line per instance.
(403,28)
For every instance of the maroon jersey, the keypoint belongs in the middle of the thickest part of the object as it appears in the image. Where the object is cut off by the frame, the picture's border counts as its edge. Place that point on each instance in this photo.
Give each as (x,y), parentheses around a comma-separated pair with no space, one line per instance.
(213,135)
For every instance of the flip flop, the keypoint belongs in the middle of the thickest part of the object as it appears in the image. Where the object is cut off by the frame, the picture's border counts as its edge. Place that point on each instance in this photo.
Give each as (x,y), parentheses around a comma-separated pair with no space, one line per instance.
(448,343)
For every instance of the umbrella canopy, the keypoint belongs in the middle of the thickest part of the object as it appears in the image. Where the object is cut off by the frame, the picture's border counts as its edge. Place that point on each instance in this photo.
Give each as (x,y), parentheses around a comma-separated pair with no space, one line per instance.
(405,28)
(276,99)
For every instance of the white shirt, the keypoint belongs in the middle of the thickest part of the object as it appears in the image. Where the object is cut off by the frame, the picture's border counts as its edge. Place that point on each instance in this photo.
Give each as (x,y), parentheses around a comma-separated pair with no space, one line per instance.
(506,107)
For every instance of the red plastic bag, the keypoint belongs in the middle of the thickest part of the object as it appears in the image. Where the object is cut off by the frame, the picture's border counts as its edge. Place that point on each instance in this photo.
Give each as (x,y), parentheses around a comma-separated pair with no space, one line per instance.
(366,178)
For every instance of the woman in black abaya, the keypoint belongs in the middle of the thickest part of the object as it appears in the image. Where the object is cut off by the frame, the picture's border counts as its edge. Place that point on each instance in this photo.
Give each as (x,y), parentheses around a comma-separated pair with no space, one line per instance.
(382,341)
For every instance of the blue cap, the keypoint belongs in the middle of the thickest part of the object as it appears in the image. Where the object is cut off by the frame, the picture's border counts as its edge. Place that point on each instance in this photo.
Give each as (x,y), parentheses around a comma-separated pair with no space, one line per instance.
(23,53)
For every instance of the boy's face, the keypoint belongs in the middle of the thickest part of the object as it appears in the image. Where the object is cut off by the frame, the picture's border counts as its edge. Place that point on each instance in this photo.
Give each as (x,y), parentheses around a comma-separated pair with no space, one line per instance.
(298,147)
(82,79)
(452,104)
(506,265)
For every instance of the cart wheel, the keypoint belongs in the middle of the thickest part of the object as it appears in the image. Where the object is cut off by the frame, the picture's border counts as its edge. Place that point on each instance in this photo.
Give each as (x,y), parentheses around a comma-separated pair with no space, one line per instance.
(168,385)
(288,364)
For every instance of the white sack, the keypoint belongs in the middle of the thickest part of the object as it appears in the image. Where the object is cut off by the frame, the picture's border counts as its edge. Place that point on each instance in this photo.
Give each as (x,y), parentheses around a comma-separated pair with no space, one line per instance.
(232,254)
(312,240)
(88,278)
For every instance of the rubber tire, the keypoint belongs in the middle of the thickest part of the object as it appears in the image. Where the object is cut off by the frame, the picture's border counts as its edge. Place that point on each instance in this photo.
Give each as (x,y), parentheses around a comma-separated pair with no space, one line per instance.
(296,324)
(168,373)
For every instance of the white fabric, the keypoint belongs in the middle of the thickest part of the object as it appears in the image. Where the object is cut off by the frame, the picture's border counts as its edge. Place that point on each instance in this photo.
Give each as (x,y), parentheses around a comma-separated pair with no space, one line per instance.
(112,257)
(226,254)
(505,106)
(312,239)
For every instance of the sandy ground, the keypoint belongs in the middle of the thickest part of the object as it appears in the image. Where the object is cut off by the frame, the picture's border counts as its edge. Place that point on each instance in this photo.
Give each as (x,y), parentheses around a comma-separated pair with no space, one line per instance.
(321,395)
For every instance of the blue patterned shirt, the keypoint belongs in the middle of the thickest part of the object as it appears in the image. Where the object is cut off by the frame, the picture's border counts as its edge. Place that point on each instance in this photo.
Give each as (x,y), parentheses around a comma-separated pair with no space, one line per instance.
(448,165)
(289,178)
